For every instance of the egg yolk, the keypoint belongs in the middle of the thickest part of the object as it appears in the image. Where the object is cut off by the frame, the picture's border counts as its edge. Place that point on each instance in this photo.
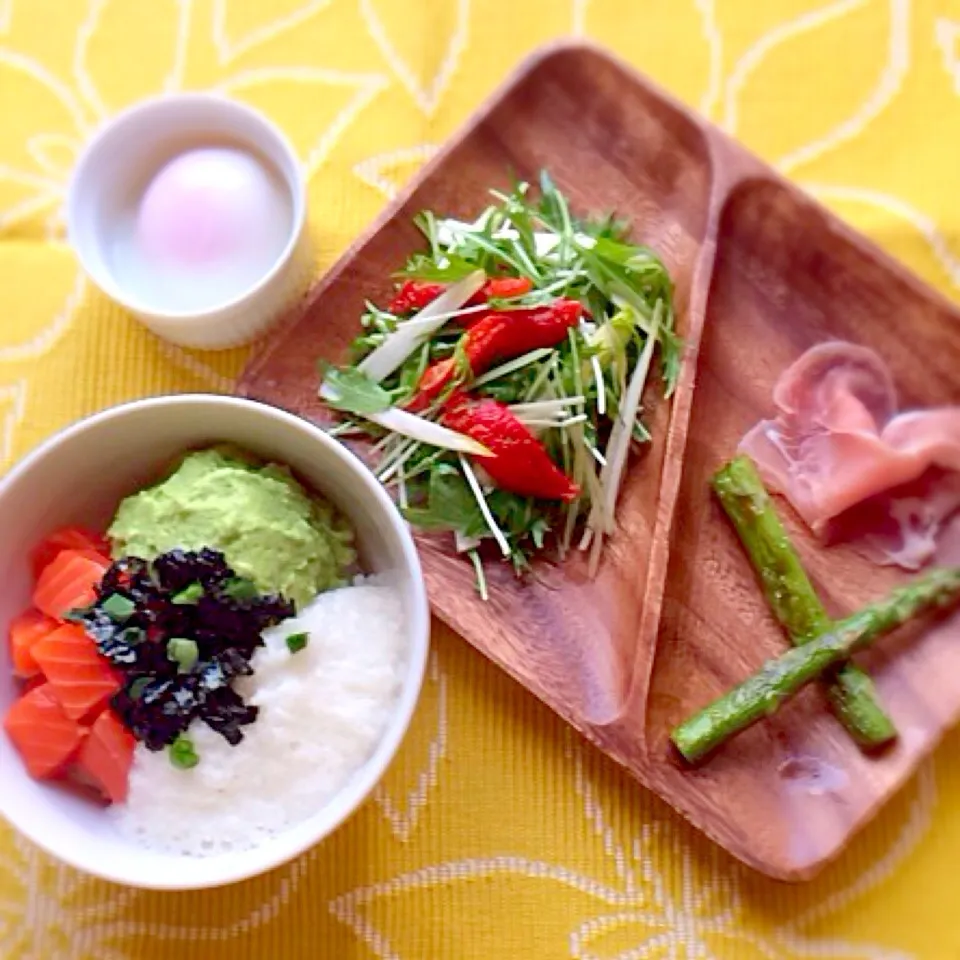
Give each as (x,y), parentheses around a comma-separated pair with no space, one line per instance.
(207,207)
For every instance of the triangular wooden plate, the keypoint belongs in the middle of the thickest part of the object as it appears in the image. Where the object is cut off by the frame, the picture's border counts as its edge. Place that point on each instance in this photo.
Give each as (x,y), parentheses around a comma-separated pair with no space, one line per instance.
(674,616)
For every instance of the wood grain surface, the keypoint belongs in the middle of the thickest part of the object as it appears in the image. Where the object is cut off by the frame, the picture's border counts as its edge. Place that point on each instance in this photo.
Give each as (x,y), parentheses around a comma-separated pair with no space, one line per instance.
(674,616)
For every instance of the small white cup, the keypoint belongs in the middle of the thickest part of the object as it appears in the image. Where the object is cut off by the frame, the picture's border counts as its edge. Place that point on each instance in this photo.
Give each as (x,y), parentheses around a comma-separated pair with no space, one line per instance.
(114,170)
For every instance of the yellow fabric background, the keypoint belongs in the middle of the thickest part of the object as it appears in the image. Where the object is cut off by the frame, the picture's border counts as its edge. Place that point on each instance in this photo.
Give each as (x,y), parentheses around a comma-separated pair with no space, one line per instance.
(496,834)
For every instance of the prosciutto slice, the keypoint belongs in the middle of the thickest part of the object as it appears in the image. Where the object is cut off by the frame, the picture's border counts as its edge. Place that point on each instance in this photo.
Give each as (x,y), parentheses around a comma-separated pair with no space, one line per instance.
(850,464)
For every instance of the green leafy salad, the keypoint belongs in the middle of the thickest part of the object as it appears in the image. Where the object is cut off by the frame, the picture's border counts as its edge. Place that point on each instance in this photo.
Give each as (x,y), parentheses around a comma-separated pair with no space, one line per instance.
(503,383)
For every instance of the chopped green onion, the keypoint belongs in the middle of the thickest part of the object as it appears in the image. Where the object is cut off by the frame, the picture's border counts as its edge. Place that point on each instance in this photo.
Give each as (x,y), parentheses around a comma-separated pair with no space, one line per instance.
(189,595)
(183,754)
(297,641)
(183,652)
(240,588)
(118,607)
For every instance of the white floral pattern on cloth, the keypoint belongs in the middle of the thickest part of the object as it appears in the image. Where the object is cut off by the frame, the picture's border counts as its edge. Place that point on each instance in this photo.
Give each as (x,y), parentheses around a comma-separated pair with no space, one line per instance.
(640,910)
(688,912)
(495,833)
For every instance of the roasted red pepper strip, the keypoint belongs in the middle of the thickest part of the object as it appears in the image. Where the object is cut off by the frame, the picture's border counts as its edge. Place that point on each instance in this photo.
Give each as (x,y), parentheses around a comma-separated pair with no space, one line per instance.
(520,463)
(432,383)
(500,288)
(510,333)
(500,335)
(416,294)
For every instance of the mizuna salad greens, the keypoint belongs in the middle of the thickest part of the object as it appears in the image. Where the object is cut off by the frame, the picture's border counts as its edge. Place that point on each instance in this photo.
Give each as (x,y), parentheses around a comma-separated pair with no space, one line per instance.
(503,383)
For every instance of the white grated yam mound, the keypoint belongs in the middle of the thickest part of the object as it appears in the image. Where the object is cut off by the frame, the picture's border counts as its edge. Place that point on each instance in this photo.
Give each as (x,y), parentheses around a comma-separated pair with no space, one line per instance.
(322,712)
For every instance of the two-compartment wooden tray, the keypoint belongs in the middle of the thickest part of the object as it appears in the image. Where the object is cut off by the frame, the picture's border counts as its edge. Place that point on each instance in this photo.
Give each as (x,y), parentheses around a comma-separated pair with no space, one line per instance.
(675,617)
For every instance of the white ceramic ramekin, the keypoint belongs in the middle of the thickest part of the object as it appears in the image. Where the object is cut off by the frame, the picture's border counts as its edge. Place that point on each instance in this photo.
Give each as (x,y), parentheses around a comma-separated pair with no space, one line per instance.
(121,159)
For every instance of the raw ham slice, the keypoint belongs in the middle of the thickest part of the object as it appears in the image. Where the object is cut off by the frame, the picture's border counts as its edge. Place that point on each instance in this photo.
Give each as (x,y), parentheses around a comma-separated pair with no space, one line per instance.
(852,466)
(905,527)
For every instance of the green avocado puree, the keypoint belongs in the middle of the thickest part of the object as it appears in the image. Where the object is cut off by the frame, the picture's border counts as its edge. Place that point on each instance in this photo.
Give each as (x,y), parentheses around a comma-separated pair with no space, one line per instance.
(266,524)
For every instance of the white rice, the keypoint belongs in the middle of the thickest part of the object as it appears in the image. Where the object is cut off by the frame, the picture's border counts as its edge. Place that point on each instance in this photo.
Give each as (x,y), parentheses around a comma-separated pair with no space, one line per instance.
(322,712)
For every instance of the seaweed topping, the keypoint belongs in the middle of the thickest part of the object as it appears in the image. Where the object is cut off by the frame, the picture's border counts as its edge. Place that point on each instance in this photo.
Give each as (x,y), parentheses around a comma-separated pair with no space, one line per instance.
(180,629)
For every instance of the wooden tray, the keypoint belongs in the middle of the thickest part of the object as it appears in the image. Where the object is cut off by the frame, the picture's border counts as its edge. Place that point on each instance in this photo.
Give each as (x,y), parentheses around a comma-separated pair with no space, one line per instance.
(674,616)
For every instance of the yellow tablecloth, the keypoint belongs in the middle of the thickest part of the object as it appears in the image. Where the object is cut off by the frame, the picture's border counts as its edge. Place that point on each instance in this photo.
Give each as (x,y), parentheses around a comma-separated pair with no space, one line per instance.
(496,834)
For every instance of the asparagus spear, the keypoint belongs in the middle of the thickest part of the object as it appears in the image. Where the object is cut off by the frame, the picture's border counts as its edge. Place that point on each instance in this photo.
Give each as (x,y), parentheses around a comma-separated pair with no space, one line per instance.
(792,598)
(760,695)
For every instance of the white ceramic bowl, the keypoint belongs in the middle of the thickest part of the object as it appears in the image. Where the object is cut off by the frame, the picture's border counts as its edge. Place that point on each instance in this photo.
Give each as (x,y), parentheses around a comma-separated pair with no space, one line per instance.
(79,476)
(114,170)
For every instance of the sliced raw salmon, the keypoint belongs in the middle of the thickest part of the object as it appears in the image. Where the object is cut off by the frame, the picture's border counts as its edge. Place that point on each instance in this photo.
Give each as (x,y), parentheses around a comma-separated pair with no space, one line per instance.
(25,632)
(106,756)
(43,734)
(66,538)
(850,464)
(82,680)
(69,582)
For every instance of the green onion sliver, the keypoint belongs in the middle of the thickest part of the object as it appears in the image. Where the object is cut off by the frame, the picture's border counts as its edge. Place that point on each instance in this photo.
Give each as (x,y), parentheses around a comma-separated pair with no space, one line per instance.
(297,641)
(183,754)
(184,652)
(118,607)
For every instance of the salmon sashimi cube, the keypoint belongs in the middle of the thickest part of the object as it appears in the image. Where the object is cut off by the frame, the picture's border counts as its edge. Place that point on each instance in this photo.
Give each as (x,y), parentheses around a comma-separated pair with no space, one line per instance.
(25,632)
(106,757)
(66,538)
(69,583)
(82,680)
(44,736)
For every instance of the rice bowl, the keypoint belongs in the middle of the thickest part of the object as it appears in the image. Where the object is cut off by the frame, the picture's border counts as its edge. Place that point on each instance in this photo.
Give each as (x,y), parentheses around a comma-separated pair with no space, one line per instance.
(64,482)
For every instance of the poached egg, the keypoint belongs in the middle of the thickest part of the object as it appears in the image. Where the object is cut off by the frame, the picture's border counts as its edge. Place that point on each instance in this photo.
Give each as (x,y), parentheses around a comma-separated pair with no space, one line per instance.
(210,224)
